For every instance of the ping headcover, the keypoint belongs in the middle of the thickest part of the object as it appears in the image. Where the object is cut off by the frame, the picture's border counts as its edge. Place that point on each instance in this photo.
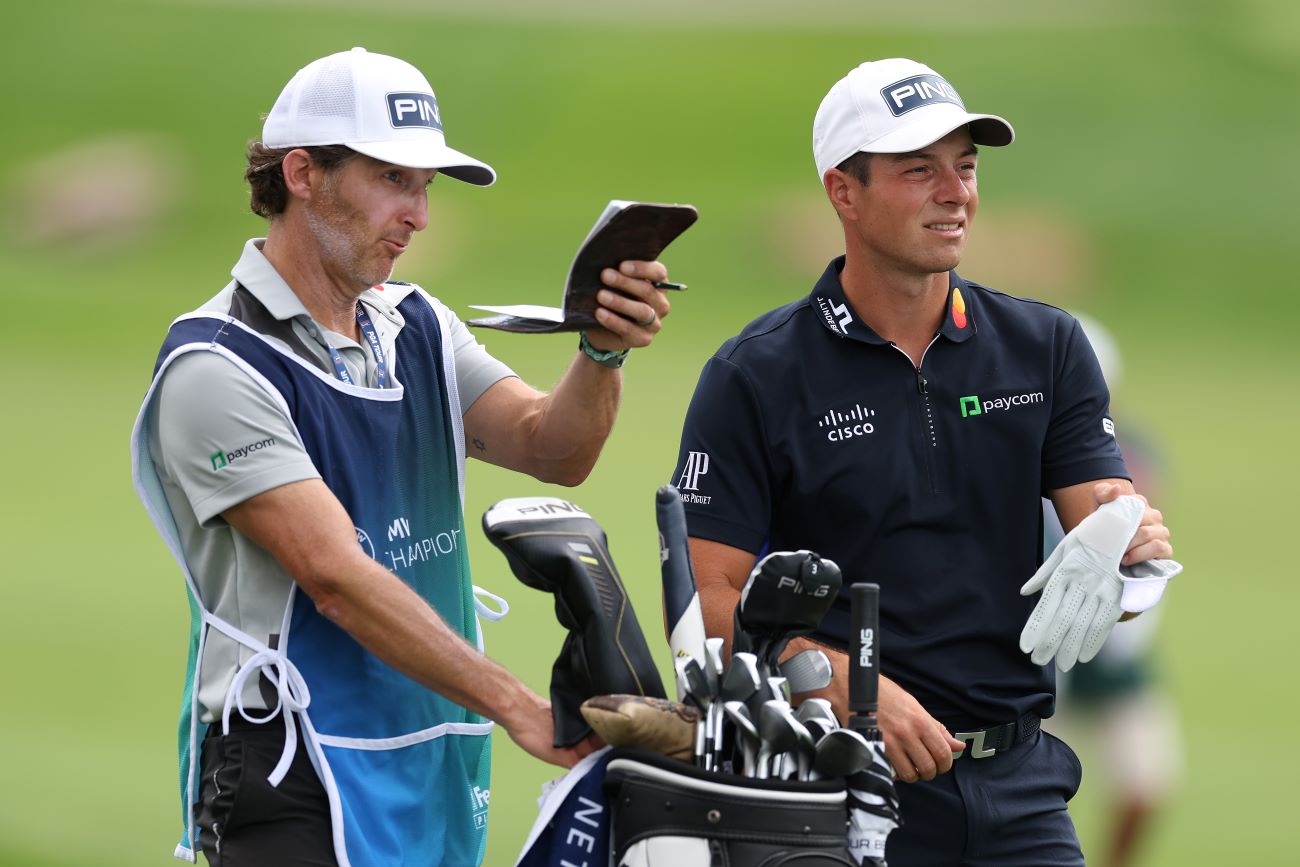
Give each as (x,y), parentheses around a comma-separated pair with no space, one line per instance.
(786,596)
(554,546)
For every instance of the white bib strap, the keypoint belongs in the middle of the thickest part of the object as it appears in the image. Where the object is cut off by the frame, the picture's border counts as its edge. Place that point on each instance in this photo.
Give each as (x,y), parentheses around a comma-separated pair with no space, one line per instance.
(292,694)
(483,610)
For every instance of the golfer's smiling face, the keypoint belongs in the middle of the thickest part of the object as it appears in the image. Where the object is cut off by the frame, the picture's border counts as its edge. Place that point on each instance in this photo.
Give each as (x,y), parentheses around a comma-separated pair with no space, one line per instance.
(917,209)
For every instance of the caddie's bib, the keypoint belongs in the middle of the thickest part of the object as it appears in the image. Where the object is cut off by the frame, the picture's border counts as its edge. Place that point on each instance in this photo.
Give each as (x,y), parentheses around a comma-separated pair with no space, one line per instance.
(406,770)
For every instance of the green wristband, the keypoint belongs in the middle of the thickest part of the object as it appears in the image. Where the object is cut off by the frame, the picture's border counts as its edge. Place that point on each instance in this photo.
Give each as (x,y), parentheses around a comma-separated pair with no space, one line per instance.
(612,359)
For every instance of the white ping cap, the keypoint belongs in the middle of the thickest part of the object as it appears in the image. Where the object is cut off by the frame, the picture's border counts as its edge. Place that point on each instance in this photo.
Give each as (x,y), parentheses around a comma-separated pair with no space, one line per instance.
(375,104)
(891,107)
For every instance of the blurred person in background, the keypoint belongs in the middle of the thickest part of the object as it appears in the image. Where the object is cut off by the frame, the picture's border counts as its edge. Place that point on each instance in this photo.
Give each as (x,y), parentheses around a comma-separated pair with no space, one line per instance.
(301,451)
(1117,703)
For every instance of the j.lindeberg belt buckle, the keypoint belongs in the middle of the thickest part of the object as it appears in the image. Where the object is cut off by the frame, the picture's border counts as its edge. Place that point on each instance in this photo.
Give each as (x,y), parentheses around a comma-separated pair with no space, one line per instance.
(976,741)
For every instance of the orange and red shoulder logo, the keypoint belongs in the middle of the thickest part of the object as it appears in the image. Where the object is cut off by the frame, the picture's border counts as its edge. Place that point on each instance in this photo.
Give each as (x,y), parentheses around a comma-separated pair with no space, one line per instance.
(958,308)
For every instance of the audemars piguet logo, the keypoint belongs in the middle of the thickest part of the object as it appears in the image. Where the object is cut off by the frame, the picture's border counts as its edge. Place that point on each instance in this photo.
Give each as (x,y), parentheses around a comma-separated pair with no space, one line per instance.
(697,465)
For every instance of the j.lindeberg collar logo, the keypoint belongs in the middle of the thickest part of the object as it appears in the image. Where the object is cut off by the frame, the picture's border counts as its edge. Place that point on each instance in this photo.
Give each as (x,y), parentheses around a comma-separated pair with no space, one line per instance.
(409,108)
(917,91)
(837,316)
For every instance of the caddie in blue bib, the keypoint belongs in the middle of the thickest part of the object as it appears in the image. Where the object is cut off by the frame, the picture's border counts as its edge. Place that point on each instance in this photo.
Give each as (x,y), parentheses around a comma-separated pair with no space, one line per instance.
(405,769)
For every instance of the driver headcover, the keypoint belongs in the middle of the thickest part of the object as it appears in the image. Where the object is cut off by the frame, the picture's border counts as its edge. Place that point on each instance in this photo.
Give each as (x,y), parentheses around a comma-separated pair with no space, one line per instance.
(554,546)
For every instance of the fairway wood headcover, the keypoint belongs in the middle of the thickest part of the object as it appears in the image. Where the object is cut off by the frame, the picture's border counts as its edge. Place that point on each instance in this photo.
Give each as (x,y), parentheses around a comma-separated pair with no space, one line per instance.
(554,546)
(656,724)
(786,596)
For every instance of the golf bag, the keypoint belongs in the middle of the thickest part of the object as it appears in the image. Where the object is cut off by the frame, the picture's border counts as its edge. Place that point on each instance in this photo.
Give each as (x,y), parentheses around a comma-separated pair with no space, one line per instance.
(669,813)
(554,546)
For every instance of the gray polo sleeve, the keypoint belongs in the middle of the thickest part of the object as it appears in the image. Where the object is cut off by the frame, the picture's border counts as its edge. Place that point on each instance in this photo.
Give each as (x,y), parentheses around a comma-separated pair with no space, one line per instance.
(476,371)
(221,437)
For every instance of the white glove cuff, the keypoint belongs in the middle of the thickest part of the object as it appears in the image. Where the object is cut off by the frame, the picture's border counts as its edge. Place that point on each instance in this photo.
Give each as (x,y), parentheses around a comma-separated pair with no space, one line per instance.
(1144,583)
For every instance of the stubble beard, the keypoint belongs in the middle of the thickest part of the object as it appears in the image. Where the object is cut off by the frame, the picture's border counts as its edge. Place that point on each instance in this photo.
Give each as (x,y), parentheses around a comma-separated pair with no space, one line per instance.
(339,231)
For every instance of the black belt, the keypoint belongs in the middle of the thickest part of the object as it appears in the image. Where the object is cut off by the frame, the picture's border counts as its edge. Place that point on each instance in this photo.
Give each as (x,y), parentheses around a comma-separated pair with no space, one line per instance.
(995,740)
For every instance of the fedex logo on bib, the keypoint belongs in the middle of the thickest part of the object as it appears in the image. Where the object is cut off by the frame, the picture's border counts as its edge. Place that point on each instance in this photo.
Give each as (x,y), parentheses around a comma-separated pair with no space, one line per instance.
(917,91)
(414,109)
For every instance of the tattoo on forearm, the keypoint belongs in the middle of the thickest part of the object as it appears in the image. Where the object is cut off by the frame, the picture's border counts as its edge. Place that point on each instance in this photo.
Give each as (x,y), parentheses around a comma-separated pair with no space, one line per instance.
(480,445)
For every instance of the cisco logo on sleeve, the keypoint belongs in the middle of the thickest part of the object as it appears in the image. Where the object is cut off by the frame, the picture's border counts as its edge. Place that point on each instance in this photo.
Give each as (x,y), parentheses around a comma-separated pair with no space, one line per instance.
(414,109)
(917,91)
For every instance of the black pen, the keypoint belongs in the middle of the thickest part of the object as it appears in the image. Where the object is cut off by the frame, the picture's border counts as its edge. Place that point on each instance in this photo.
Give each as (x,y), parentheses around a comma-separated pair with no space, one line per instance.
(666,284)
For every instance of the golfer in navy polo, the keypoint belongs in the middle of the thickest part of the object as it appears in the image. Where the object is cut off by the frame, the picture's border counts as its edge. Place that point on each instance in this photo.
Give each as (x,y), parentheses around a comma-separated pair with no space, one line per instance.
(904,422)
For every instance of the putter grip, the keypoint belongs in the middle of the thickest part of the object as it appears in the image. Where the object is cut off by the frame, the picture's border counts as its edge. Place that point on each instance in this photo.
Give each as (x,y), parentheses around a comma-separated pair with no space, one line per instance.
(864,648)
(683,619)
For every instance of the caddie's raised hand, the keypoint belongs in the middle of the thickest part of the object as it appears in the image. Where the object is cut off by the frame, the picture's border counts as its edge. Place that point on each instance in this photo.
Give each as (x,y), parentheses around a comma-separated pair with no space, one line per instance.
(631,316)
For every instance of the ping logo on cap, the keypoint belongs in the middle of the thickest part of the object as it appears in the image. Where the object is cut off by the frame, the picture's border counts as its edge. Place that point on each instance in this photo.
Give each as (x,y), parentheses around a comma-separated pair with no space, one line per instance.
(917,91)
(414,109)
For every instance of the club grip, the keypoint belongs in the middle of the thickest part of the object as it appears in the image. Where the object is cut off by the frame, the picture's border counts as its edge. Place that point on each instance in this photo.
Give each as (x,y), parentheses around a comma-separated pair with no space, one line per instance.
(864,648)
(683,620)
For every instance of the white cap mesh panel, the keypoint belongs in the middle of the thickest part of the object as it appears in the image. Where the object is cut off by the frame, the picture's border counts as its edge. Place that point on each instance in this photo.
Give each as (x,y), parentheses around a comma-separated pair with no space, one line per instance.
(330,93)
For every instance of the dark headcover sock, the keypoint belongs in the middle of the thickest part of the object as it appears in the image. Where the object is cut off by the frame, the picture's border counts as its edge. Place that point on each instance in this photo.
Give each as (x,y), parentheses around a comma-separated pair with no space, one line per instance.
(786,596)
(554,546)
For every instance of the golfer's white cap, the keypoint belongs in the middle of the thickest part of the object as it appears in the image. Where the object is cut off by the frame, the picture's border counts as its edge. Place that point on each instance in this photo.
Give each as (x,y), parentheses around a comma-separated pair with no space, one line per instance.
(892,107)
(375,104)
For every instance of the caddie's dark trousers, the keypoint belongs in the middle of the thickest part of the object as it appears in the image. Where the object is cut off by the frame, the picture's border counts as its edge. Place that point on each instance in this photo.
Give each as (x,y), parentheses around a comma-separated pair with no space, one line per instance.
(1007,810)
(242,820)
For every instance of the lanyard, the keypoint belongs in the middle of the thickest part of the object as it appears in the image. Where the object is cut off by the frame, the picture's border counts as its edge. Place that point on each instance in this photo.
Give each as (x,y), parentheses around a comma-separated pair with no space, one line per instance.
(372,337)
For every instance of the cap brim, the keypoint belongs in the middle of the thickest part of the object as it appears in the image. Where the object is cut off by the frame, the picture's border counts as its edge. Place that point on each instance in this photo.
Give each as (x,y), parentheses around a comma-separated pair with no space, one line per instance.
(422,155)
(985,129)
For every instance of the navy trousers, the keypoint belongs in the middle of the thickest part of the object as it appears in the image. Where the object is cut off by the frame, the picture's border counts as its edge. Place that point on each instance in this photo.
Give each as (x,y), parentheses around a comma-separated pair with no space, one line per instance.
(1007,810)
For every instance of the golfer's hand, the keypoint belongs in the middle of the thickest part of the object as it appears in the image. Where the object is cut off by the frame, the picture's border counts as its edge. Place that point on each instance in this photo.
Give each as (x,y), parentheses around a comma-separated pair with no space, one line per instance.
(631,316)
(533,730)
(1151,540)
(917,745)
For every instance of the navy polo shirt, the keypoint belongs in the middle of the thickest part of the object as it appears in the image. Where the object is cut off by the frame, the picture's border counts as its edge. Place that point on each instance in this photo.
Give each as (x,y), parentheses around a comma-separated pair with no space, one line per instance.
(808,430)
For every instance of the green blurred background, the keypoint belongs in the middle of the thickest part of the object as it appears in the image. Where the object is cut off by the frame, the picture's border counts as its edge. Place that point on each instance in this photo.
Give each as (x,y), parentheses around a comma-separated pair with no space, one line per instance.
(1152,185)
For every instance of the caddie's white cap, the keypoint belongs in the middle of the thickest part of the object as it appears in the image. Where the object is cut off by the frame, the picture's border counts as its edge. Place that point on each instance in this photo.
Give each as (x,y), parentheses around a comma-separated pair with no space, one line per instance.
(375,104)
(892,107)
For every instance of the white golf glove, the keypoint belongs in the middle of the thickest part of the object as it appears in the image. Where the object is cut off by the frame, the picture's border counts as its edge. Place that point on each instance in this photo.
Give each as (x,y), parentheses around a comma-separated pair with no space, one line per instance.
(1086,589)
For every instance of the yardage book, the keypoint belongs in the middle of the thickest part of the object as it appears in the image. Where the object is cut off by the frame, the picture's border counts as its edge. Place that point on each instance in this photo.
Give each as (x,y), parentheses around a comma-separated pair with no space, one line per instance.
(625,230)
